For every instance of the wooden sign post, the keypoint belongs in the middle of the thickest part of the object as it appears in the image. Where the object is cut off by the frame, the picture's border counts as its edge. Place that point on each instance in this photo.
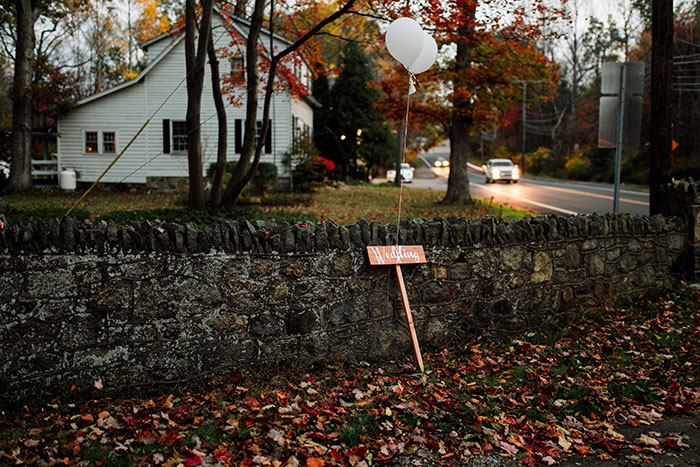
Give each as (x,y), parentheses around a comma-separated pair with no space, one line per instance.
(398,255)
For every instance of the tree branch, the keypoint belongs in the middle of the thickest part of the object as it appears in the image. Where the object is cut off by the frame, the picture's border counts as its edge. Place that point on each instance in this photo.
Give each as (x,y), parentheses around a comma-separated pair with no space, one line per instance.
(311,32)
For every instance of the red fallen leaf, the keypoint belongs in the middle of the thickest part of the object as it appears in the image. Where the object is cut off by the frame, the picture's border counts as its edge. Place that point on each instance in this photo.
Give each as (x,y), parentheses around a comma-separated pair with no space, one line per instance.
(583,449)
(196,460)
(315,462)
(671,443)
(235,377)
(529,461)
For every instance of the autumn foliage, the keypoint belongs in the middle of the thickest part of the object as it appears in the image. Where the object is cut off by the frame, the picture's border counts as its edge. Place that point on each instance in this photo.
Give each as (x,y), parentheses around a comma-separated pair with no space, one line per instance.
(502,52)
(594,388)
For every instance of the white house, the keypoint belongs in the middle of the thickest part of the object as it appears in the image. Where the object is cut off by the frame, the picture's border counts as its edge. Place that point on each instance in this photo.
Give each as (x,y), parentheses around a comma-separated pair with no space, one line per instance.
(100,126)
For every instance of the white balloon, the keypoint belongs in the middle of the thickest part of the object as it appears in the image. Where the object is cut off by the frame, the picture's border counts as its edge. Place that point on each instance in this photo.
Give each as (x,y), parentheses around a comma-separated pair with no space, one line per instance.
(404,40)
(427,55)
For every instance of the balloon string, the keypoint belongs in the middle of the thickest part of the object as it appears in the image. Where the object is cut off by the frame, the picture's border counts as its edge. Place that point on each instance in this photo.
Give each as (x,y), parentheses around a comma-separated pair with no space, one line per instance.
(403,155)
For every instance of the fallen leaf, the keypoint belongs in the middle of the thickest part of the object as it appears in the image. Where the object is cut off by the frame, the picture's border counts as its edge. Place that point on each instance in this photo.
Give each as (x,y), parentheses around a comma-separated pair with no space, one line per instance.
(509,448)
(648,441)
(564,443)
(168,404)
(277,436)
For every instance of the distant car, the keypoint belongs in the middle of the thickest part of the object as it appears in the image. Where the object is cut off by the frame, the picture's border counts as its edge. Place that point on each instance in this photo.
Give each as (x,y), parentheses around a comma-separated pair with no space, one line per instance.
(442,162)
(406,173)
(501,169)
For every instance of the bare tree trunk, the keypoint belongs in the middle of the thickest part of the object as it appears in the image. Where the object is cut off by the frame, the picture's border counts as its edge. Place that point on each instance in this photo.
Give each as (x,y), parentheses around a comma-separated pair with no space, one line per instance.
(21,161)
(240,7)
(458,182)
(238,179)
(222,146)
(661,99)
(195,82)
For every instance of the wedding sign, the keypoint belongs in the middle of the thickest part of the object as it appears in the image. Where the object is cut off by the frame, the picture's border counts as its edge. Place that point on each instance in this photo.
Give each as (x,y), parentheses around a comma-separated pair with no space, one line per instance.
(395,254)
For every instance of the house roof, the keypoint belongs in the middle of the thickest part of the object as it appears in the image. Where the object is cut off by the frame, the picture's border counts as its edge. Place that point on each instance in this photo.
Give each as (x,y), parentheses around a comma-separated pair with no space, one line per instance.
(139,79)
(234,19)
(175,40)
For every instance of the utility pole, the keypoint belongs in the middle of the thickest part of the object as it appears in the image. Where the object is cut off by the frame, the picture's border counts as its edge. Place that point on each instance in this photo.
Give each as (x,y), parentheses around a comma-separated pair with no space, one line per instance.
(524,137)
(661,99)
(522,164)
(619,139)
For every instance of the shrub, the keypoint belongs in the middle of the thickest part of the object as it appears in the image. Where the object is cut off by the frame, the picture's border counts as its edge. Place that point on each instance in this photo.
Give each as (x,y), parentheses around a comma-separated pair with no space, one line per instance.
(313,170)
(310,170)
(538,161)
(265,177)
(502,152)
(578,167)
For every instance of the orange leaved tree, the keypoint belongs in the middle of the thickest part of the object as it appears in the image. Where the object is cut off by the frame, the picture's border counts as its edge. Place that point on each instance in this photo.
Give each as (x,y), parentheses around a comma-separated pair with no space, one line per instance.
(485,56)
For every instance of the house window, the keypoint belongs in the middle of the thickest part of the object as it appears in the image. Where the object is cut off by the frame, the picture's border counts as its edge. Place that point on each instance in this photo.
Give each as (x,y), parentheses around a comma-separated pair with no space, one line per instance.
(237,65)
(108,142)
(90,141)
(179,136)
(258,132)
(239,136)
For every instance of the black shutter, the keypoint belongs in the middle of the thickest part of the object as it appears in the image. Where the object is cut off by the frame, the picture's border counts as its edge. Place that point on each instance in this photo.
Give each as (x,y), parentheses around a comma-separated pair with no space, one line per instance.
(268,138)
(238,130)
(166,136)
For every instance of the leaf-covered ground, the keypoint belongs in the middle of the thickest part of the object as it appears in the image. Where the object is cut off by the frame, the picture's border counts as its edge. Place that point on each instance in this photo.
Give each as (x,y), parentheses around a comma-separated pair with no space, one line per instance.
(535,399)
(344,204)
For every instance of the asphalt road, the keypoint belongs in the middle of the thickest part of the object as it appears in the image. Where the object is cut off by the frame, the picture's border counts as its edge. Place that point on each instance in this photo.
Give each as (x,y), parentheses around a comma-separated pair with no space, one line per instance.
(542,197)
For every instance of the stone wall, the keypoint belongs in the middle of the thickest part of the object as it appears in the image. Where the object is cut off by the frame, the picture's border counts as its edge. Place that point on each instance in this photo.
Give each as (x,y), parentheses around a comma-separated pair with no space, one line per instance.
(681,199)
(156,302)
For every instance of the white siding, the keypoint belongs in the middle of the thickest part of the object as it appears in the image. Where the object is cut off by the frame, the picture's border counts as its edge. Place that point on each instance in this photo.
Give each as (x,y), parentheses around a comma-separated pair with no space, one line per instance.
(122,112)
(156,48)
(164,89)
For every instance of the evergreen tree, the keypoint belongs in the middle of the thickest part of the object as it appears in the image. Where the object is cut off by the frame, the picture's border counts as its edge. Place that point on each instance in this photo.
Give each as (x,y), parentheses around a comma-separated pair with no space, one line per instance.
(326,140)
(349,129)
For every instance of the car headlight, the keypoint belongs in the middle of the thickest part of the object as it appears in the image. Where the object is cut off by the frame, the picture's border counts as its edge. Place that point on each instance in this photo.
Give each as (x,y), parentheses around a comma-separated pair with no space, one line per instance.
(516,173)
(496,173)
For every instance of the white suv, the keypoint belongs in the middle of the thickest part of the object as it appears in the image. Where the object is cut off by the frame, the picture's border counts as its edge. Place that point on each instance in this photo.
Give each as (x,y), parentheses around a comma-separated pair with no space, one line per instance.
(406,173)
(501,169)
